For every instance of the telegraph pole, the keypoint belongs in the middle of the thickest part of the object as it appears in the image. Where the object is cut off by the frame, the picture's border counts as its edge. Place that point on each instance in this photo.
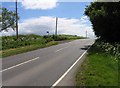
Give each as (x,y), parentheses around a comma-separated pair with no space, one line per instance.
(86,33)
(56,27)
(16,20)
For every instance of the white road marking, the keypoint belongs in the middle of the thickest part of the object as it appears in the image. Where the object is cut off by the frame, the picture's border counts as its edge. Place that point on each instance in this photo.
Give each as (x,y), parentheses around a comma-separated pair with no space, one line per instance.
(55,84)
(61,49)
(27,61)
(19,64)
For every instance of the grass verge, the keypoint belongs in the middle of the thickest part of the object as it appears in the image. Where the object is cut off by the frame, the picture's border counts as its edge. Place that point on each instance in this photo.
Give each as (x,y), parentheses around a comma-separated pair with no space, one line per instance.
(24,49)
(99,69)
(11,46)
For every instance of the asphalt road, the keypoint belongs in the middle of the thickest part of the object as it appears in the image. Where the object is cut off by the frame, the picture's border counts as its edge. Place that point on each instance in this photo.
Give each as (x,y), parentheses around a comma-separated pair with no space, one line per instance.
(42,67)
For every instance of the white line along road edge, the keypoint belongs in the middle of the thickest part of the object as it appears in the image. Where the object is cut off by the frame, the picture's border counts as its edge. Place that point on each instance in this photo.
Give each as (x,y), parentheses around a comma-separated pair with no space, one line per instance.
(55,84)
(19,64)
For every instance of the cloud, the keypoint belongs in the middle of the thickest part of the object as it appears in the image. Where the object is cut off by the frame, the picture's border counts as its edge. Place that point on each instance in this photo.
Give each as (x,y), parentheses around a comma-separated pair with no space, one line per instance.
(39,4)
(84,19)
(47,23)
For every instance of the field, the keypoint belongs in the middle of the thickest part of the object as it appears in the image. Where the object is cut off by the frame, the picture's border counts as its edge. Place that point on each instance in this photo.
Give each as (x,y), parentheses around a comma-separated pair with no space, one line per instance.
(11,46)
(101,67)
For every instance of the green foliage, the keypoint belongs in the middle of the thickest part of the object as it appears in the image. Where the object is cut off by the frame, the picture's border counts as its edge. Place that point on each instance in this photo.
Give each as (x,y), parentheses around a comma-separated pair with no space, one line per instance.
(9,42)
(24,49)
(67,37)
(109,48)
(8,19)
(62,37)
(24,40)
(104,17)
(100,69)
(48,38)
(25,43)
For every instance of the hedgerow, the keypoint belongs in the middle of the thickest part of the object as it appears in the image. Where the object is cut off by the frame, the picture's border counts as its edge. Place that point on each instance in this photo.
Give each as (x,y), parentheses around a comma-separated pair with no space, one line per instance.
(109,48)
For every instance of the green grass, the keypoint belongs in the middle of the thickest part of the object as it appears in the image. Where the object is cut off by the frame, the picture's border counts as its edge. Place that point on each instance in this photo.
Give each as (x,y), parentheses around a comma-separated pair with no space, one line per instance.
(99,69)
(24,49)
(11,46)
(10,42)
(71,37)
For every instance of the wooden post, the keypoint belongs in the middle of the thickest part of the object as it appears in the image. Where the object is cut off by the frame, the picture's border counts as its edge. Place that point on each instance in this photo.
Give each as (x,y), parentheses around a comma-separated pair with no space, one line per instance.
(16,20)
(56,26)
(86,33)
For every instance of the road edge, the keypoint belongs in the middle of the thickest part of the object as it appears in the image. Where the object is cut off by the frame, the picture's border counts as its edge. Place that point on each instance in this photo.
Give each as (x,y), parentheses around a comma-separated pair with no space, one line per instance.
(70,68)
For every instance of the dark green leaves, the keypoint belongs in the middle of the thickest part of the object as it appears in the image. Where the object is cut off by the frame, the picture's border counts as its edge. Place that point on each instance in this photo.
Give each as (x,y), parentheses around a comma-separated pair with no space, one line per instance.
(105,17)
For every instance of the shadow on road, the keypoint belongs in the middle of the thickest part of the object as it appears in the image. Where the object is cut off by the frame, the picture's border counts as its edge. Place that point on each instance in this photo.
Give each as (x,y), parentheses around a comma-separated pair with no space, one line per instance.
(85,47)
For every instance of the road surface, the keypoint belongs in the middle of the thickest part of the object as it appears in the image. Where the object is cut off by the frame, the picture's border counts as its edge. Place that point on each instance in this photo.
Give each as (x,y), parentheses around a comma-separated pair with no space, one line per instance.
(42,67)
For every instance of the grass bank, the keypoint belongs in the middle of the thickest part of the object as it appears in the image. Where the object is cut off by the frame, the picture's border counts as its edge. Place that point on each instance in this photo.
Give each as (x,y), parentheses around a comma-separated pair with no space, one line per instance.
(99,69)
(11,46)
(14,51)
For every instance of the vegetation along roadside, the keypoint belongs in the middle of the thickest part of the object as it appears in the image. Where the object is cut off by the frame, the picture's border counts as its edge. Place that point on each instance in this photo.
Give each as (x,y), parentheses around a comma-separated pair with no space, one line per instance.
(101,66)
(11,46)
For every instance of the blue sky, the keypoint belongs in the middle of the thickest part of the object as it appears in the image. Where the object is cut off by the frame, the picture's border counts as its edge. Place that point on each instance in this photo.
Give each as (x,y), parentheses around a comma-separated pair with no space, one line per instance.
(44,14)
(63,9)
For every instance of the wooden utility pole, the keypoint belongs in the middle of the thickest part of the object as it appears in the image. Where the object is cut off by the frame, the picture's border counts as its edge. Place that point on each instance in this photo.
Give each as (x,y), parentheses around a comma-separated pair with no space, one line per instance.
(56,27)
(86,33)
(16,20)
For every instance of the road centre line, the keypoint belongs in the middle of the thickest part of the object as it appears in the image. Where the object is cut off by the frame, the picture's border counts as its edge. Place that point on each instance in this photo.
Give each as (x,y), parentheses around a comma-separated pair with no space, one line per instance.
(19,64)
(58,81)
(61,49)
(27,61)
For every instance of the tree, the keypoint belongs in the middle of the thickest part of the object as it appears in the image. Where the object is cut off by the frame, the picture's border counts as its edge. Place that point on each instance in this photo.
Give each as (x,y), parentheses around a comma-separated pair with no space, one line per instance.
(8,19)
(105,17)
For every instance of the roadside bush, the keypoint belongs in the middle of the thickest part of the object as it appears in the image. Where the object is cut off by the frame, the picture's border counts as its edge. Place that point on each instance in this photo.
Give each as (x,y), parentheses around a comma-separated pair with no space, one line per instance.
(9,42)
(49,39)
(110,48)
(24,40)
(59,38)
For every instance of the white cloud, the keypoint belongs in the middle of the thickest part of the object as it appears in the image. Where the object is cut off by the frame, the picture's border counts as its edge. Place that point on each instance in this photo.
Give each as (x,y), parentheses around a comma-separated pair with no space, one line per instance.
(84,19)
(46,23)
(39,4)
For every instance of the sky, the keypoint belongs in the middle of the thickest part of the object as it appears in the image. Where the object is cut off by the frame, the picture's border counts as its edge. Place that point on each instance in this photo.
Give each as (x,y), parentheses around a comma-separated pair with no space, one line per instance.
(37,17)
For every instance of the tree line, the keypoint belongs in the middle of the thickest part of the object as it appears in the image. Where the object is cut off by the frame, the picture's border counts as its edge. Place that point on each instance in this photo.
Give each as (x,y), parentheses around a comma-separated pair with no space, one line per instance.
(105,19)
